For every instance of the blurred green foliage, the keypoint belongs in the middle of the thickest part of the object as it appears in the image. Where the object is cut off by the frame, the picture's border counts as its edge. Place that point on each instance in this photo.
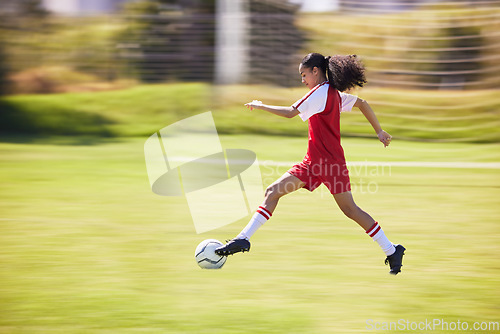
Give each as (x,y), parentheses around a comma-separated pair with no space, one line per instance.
(174,40)
(168,40)
(28,14)
(80,44)
(3,70)
(274,42)
(417,48)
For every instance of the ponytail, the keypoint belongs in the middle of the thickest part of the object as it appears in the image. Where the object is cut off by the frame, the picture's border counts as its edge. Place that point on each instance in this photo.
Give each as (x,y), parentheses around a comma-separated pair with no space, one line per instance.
(342,72)
(329,74)
(345,72)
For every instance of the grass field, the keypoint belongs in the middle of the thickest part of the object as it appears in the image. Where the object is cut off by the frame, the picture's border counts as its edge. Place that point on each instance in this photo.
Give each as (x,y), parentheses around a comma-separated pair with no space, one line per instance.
(86,247)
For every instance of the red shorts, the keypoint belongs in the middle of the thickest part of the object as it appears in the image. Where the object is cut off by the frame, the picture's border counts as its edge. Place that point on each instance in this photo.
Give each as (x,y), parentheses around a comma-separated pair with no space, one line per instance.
(334,176)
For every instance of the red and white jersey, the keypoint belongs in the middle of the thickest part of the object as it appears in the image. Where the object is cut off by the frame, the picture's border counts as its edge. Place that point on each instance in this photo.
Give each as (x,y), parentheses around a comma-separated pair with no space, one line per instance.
(322,106)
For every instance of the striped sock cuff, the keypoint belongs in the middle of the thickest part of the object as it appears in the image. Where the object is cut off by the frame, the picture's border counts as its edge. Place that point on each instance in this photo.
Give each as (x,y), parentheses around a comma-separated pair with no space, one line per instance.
(264,212)
(373,230)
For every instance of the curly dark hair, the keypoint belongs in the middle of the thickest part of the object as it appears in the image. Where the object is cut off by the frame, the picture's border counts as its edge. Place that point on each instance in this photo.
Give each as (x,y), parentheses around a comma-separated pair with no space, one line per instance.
(343,72)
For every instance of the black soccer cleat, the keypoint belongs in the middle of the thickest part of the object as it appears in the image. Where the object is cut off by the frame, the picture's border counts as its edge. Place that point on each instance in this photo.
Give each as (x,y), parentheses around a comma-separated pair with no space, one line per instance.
(233,246)
(395,260)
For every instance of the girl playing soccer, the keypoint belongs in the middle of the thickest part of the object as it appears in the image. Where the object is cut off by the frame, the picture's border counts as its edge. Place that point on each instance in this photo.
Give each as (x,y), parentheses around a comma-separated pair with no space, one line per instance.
(327,78)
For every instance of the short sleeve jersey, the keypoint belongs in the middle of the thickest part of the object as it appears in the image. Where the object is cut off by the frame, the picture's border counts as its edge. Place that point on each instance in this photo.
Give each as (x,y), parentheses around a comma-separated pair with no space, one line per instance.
(322,106)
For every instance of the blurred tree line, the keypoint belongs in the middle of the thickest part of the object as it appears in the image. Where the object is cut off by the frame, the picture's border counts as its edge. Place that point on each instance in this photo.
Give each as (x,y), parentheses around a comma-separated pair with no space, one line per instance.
(17,15)
(174,40)
(148,40)
(168,40)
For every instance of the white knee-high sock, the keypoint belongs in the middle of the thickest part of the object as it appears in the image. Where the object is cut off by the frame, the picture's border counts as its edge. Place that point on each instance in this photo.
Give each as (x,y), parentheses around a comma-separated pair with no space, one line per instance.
(378,235)
(258,219)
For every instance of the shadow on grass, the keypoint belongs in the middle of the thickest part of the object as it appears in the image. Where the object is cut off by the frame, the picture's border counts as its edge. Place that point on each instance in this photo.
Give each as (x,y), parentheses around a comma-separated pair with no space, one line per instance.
(77,140)
(56,125)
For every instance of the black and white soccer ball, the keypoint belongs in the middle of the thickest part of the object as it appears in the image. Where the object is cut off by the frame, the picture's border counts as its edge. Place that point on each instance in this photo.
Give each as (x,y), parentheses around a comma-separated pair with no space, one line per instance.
(206,257)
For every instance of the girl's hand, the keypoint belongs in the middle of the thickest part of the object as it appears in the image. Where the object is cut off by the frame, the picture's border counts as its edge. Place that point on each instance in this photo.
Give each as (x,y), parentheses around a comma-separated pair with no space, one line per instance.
(254,104)
(384,137)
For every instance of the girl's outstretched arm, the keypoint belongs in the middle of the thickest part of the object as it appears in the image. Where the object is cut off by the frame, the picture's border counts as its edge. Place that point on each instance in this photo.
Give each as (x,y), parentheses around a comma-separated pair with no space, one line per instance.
(287,112)
(365,108)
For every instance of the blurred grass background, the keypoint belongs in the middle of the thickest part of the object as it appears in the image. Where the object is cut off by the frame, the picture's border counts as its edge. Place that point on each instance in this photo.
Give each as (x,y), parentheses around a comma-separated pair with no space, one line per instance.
(138,110)
(86,247)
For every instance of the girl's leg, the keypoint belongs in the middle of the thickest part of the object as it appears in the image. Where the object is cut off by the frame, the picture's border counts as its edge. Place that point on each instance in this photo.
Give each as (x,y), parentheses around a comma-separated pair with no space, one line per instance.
(371,227)
(351,210)
(281,187)
(284,185)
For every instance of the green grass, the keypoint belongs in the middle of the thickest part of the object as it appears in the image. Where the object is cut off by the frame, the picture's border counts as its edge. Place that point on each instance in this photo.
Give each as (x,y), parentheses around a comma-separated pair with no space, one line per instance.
(86,247)
(135,111)
(471,116)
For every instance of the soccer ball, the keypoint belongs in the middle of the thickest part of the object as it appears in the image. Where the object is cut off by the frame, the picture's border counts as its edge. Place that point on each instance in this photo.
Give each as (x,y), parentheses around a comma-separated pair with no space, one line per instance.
(206,257)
